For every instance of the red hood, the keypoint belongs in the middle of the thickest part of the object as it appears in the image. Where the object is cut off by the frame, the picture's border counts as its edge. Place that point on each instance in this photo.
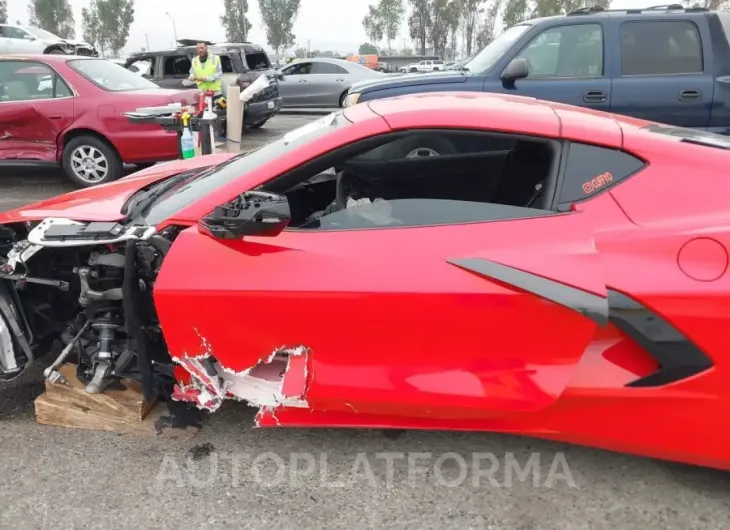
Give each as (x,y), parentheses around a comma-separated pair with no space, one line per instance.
(104,202)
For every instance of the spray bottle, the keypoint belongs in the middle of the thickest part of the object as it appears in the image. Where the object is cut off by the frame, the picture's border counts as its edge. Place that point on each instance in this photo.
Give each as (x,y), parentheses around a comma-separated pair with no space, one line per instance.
(186,142)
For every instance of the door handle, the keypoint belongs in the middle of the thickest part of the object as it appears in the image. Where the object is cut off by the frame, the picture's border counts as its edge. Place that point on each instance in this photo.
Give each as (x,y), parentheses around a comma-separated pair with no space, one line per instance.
(595,96)
(690,95)
(55,117)
(339,80)
(302,80)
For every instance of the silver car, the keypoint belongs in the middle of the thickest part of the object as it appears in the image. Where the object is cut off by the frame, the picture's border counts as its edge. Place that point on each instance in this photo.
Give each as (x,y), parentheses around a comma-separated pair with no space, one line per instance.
(28,40)
(320,82)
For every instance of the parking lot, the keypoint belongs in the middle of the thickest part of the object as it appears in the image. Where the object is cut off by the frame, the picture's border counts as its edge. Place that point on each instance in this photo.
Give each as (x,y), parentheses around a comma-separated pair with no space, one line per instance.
(233,475)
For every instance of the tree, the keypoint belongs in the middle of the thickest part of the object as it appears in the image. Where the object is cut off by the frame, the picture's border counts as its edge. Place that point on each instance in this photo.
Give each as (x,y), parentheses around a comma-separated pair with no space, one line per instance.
(367,49)
(3,11)
(278,16)
(91,26)
(406,52)
(390,13)
(115,17)
(419,22)
(470,10)
(373,25)
(487,27)
(55,16)
(515,11)
(301,53)
(442,15)
(234,20)
(712,5)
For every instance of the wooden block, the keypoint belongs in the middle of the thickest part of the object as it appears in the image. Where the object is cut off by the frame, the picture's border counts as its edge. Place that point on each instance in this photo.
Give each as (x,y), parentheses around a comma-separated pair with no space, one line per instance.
(120,411)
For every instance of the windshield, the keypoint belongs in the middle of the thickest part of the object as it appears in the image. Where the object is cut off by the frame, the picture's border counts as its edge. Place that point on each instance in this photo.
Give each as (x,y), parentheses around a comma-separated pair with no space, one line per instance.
(110,76)
(41,33)
(190,190)
(486,58)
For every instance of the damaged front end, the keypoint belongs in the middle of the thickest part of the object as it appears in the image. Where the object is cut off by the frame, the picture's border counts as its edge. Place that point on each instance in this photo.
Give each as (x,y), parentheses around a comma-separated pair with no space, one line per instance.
(83,291)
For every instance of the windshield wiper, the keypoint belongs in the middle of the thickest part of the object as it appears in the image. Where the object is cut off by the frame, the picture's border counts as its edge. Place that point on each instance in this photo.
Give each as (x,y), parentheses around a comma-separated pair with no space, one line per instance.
(147,198)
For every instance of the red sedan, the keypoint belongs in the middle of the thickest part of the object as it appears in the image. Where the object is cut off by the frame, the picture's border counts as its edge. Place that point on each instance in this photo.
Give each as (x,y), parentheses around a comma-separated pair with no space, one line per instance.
(67,111)
(441,261)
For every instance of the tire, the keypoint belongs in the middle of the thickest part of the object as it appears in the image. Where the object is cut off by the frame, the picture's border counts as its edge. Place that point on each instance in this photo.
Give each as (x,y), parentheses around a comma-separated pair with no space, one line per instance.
(90,161)
(435,69)
(413,70)
(417,146)
(342,98)
(258,124)
(145,165)
(56,52)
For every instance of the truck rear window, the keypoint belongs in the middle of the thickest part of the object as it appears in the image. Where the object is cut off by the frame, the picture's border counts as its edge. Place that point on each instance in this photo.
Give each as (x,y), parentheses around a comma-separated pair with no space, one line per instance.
(691,136)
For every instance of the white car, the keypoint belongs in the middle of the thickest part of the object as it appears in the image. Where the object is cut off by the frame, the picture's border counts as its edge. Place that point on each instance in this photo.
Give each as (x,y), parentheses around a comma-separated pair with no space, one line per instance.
(423,66)
(28,40)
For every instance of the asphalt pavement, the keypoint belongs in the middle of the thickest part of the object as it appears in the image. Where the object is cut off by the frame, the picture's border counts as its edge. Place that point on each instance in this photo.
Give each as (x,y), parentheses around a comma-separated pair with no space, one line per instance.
(232,475)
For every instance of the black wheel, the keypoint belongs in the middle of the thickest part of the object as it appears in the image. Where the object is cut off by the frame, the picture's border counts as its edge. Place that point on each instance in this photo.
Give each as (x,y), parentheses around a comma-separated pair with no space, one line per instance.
(414,70)
(342,98)
(258,124)
(89,161)
(56,52)
(435,69)
(145,165)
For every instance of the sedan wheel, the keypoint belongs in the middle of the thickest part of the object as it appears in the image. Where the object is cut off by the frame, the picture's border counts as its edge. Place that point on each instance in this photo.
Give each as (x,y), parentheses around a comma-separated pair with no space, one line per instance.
(89,164)
(89,161)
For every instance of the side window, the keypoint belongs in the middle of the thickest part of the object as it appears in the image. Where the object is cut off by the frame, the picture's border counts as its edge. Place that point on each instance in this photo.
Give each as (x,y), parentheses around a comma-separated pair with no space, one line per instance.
(176,66)
(299,69)
(328,68)
(660,48)
(10,32)
(566,51)
(26,81)
(476,177)
(142,67)
(591,169)
(226,64)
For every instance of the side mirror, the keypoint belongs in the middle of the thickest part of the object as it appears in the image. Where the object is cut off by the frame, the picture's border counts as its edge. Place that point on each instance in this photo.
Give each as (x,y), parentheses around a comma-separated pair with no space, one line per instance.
(254,213)
(280,77)
(516,69)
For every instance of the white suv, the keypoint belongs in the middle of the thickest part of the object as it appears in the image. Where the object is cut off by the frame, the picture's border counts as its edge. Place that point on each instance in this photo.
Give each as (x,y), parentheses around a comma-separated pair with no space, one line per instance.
(28,40)
(424,66)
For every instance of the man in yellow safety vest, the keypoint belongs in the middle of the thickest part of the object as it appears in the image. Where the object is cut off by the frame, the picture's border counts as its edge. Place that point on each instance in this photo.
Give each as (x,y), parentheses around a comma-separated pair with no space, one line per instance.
(206,70)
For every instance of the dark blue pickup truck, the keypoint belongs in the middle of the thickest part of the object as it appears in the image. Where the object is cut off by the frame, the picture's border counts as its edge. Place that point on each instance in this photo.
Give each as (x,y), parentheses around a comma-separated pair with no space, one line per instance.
(666,64)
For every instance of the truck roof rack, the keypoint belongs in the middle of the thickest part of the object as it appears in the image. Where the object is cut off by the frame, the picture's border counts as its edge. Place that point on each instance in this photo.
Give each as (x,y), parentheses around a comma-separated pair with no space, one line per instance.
(591,10)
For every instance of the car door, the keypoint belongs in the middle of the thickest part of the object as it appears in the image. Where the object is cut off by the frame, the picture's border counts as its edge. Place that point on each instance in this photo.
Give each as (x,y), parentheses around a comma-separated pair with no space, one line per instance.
(663,74)
(566,64)
(327,83)
(294,87)
(36,106)
(439,316)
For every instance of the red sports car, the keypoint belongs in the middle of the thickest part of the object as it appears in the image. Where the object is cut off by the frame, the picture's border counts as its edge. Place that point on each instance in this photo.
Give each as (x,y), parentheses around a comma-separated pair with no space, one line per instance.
(440,261)
(62,110)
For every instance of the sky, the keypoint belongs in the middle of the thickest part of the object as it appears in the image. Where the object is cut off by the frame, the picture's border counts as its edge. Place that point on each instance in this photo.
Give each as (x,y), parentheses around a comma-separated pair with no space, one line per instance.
(321,25)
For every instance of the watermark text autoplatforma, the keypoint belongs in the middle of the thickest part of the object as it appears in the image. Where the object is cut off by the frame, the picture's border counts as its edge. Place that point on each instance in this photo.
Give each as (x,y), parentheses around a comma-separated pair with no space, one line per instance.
(450,470)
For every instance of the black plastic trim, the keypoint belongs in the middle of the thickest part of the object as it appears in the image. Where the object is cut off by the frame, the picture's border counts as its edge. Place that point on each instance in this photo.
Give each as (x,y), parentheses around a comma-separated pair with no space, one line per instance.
(587,304)
(677,356)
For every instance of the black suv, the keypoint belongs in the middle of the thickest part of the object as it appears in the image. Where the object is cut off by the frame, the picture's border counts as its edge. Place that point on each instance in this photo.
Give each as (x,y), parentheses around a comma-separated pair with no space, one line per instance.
(242,64)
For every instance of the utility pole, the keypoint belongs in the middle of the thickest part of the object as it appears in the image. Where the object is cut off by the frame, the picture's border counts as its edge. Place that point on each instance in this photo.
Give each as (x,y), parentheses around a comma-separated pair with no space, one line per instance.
(174,29)
(243,18)
(147,40)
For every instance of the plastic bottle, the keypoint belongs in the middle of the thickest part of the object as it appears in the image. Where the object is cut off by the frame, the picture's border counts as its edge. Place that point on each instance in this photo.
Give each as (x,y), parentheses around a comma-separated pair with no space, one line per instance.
(186,142)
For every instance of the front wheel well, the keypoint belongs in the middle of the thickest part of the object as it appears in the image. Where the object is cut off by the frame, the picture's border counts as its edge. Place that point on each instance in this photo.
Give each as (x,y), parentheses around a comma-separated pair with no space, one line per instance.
(53,48)
(76,133)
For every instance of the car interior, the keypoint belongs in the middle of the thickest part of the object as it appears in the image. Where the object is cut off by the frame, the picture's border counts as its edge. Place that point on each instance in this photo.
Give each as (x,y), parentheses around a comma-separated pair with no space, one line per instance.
(422,177)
